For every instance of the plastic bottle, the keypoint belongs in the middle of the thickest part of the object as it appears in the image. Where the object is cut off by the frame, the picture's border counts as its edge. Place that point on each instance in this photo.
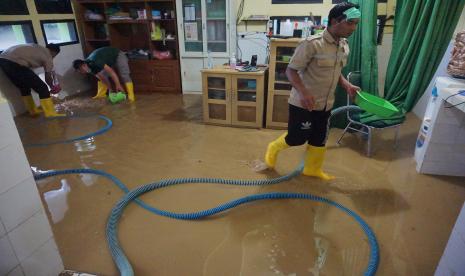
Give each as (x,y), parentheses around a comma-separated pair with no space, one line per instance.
(210,60)
(287,28)
(232,62)
(305,28)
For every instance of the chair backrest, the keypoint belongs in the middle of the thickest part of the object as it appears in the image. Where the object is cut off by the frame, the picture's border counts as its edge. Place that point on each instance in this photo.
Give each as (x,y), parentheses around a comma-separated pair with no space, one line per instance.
(355,78)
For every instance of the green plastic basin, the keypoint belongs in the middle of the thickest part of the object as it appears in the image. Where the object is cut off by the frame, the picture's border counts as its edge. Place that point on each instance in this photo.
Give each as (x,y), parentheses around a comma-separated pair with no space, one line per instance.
(117,97)
(375,105)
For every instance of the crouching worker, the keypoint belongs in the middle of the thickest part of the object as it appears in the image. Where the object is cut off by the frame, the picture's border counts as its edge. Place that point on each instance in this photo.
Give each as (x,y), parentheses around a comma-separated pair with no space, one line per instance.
(17,63)
(101,63)
(314,72)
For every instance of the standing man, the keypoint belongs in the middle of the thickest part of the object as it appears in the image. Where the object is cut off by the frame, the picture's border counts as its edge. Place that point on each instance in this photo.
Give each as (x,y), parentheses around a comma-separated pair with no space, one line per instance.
(17,63)
(314,72)
(101,63)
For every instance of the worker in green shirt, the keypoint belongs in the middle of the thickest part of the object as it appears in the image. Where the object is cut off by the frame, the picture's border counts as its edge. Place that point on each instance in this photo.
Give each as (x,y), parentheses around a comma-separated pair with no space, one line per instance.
(102,63)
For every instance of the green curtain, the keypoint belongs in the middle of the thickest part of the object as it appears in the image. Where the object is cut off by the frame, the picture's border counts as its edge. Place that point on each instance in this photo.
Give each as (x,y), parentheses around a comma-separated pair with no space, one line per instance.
(363,56)
(422,32)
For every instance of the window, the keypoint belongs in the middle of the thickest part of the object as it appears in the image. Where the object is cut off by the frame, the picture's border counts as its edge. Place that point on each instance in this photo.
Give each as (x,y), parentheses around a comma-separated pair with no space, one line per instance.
(53,6)
(296,1)
(61,32)
(13,7)
(16,32)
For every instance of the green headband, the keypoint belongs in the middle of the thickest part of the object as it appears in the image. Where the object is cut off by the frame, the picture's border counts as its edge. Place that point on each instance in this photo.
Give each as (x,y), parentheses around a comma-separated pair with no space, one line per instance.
(352,13)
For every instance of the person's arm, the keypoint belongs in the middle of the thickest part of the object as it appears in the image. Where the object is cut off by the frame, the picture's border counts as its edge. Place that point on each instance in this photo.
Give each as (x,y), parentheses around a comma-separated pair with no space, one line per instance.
(114,77)
(305,94)
(104,79)
(348,87)
(49,79)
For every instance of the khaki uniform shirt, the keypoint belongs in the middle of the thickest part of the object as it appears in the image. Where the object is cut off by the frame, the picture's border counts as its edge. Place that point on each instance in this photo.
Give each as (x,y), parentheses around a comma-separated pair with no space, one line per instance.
(319,61)
(30,55)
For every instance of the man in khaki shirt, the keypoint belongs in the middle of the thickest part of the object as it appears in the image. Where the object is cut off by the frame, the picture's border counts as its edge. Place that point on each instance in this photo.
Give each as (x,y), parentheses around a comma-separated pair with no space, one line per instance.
(314,72)
(17,63)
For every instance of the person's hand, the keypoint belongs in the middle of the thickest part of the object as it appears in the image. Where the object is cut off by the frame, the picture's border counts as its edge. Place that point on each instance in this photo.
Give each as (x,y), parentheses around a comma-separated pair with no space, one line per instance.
(352,89)
(55,89)
(307,100)
(119,88)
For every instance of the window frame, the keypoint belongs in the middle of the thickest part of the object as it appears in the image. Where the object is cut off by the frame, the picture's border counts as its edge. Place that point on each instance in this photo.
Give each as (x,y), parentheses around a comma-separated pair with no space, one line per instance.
(21,22)
(296,1)
(42,22)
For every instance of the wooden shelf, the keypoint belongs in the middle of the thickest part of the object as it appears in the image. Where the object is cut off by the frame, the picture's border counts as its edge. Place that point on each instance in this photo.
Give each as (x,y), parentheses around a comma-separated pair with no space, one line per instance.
(127,21)
(95,20)
(150,75)
(171,19)
(161,40)
(212,88)
(282,62)
(216,18)
(97,40)
(247,90)
(90,2)
(216,41)
(282,82)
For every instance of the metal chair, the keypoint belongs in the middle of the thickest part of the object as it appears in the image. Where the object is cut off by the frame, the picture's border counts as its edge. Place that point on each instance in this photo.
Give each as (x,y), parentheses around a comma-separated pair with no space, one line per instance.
(355,125)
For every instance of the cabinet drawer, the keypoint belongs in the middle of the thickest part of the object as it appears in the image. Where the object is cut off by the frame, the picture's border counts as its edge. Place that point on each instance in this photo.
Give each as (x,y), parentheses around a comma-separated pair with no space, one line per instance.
(142,78)
(139,66)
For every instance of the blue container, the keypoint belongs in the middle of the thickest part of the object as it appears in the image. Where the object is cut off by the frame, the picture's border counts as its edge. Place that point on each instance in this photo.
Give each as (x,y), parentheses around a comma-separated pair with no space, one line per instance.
(156,14)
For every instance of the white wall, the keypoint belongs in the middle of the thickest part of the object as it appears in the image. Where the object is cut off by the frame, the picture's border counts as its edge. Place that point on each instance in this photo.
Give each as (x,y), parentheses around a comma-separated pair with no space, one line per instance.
(27,246)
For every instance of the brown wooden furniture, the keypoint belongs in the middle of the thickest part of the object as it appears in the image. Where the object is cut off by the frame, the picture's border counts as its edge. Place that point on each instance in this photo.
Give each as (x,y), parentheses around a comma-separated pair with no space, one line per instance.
(233,98)
(279,88)
(149,75)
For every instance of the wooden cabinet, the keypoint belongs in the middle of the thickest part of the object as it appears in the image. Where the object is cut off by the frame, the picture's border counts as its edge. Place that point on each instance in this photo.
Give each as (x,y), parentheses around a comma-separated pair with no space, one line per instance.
(233,98)
(279,88)
(98,29)
(155,75)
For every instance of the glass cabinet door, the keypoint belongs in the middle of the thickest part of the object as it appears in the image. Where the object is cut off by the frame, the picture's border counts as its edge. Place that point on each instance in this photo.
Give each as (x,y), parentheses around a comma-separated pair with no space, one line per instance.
(217,98)
(245,103)
(216,26)
(192,24)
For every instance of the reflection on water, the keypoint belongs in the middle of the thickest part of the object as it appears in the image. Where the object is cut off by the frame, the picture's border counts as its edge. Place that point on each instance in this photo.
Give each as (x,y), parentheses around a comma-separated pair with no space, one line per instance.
(85,145)
(57,201)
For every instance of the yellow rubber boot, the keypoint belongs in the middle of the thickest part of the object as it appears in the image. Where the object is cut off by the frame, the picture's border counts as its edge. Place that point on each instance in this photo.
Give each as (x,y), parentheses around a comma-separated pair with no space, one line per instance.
(31,106)
(49,108)
(273,149)
(101,90)
(130,91)
(314,161)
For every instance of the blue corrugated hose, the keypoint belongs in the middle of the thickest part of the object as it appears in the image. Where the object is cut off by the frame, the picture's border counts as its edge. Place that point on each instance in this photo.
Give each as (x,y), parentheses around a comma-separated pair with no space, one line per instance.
(117,252)
(102,130)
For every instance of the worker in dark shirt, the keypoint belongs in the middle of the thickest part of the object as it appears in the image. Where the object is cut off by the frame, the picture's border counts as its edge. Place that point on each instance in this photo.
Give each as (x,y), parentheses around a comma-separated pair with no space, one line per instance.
(102,63)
